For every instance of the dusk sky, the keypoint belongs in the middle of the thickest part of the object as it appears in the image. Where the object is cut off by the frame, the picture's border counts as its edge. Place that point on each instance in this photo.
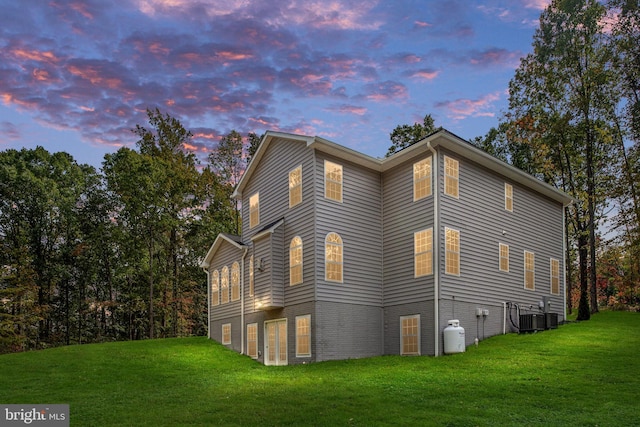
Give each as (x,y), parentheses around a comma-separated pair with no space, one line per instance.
(77,76)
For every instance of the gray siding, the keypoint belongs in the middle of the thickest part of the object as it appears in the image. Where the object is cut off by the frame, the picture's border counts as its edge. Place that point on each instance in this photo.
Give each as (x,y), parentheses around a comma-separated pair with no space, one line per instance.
(534,225)
(358,220)
(392,326)
(226,255)
(402,218)
(348,331)
(271,180)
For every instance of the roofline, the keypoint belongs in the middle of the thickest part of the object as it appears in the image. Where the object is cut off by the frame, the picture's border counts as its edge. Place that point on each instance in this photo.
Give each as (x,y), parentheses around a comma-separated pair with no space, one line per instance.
(441,138)
(216,245)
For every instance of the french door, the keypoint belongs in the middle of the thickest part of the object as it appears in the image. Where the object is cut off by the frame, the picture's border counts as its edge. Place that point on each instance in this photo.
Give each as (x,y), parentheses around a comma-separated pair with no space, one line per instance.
(275,343)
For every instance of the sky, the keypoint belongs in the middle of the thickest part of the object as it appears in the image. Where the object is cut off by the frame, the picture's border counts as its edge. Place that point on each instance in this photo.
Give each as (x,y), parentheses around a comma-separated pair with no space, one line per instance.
(77,76)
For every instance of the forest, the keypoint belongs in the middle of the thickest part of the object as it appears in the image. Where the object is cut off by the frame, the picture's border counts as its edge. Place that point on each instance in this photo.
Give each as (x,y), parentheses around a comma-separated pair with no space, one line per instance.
(92,255)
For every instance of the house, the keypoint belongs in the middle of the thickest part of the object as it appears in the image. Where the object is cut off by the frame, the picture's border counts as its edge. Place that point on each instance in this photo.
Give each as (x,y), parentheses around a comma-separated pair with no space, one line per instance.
(343,255)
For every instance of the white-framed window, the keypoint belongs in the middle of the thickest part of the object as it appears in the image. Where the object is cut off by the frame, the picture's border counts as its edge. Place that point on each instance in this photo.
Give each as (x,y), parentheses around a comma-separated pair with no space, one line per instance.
(423,252)
(235,281)
(226,334)
(295,187)
(215,288)
(254,210)
(554,268)
(251,277)
(333,258)
(451,177)
(452,251)
(252,340)
(410,335)
(332,181)
(303,336)
(224,285)
(295,261)
(503,254)
(508,197)
(422,179)
(529,271)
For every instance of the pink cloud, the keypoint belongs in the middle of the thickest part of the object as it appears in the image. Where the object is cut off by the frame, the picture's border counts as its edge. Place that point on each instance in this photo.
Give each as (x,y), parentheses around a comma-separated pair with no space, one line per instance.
(386,91)
(536,4)
(349,109)
(463,107)
(425,74)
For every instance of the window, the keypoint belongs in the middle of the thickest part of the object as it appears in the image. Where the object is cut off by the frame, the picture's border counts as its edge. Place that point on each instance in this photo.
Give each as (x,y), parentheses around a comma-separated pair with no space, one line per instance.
(452,254)
(410,335)
(555,276)
(504,257)
(251,279)
(224,288)
(252,340)
(333,258)
(423,252)
(508,197)
(254,210)
(451,170)
(303,336)
(295,261)
(332,181)
(235,281)
(295,187)
(422,179)
(529,271)
(226,333)
(215,288)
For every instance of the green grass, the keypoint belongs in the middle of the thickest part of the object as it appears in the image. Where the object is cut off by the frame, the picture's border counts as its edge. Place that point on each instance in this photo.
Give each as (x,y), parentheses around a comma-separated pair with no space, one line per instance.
(582,374)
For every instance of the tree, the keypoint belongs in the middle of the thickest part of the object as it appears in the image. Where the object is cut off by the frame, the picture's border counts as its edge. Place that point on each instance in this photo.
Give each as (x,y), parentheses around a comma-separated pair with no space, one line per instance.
(559,105)
(404,136)
(228,162)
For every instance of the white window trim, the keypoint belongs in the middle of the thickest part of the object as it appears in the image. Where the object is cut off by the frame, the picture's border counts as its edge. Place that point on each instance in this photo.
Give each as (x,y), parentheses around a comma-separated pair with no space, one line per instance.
(326,263)
(451,176)
(256,194)
(224,325)
(308,316)
(341,181)
(524,284)
(215,302)
(255,325)
(413,316)
(507,185)
(415,254)
(459,252)
(500,245)
(291,282)
(299,185)
(430,178)
(551,260)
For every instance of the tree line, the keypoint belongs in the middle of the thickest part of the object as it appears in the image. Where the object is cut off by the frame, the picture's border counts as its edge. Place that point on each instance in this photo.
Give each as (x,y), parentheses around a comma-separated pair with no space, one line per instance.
(90,256)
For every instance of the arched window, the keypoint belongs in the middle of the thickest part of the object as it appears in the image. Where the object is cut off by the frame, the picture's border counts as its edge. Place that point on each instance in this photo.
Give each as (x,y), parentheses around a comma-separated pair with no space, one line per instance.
(235,281)
(295,261)
(215,288)
(224,288)
(333,258)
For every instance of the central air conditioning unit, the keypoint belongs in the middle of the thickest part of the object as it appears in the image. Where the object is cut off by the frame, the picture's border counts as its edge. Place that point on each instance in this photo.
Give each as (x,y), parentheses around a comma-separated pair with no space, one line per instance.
(532,322)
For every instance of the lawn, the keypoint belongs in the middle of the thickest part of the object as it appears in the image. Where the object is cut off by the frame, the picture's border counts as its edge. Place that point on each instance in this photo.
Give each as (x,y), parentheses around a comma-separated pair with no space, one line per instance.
(581,374)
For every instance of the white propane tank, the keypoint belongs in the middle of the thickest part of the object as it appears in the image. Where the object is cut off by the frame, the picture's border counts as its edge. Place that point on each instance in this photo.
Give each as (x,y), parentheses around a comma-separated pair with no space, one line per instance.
(454,337)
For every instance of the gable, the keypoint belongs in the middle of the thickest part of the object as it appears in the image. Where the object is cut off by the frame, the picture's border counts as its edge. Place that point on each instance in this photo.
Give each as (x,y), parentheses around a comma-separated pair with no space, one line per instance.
(221,240)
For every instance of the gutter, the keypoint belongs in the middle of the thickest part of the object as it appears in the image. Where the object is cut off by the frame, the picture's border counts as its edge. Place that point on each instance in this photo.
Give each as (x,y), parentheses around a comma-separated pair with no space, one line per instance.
(436,253)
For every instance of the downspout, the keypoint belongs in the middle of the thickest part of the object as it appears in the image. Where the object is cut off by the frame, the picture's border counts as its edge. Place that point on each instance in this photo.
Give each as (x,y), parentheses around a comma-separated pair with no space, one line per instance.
(564,264)
(206,270)
(436,253)
(244,254)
